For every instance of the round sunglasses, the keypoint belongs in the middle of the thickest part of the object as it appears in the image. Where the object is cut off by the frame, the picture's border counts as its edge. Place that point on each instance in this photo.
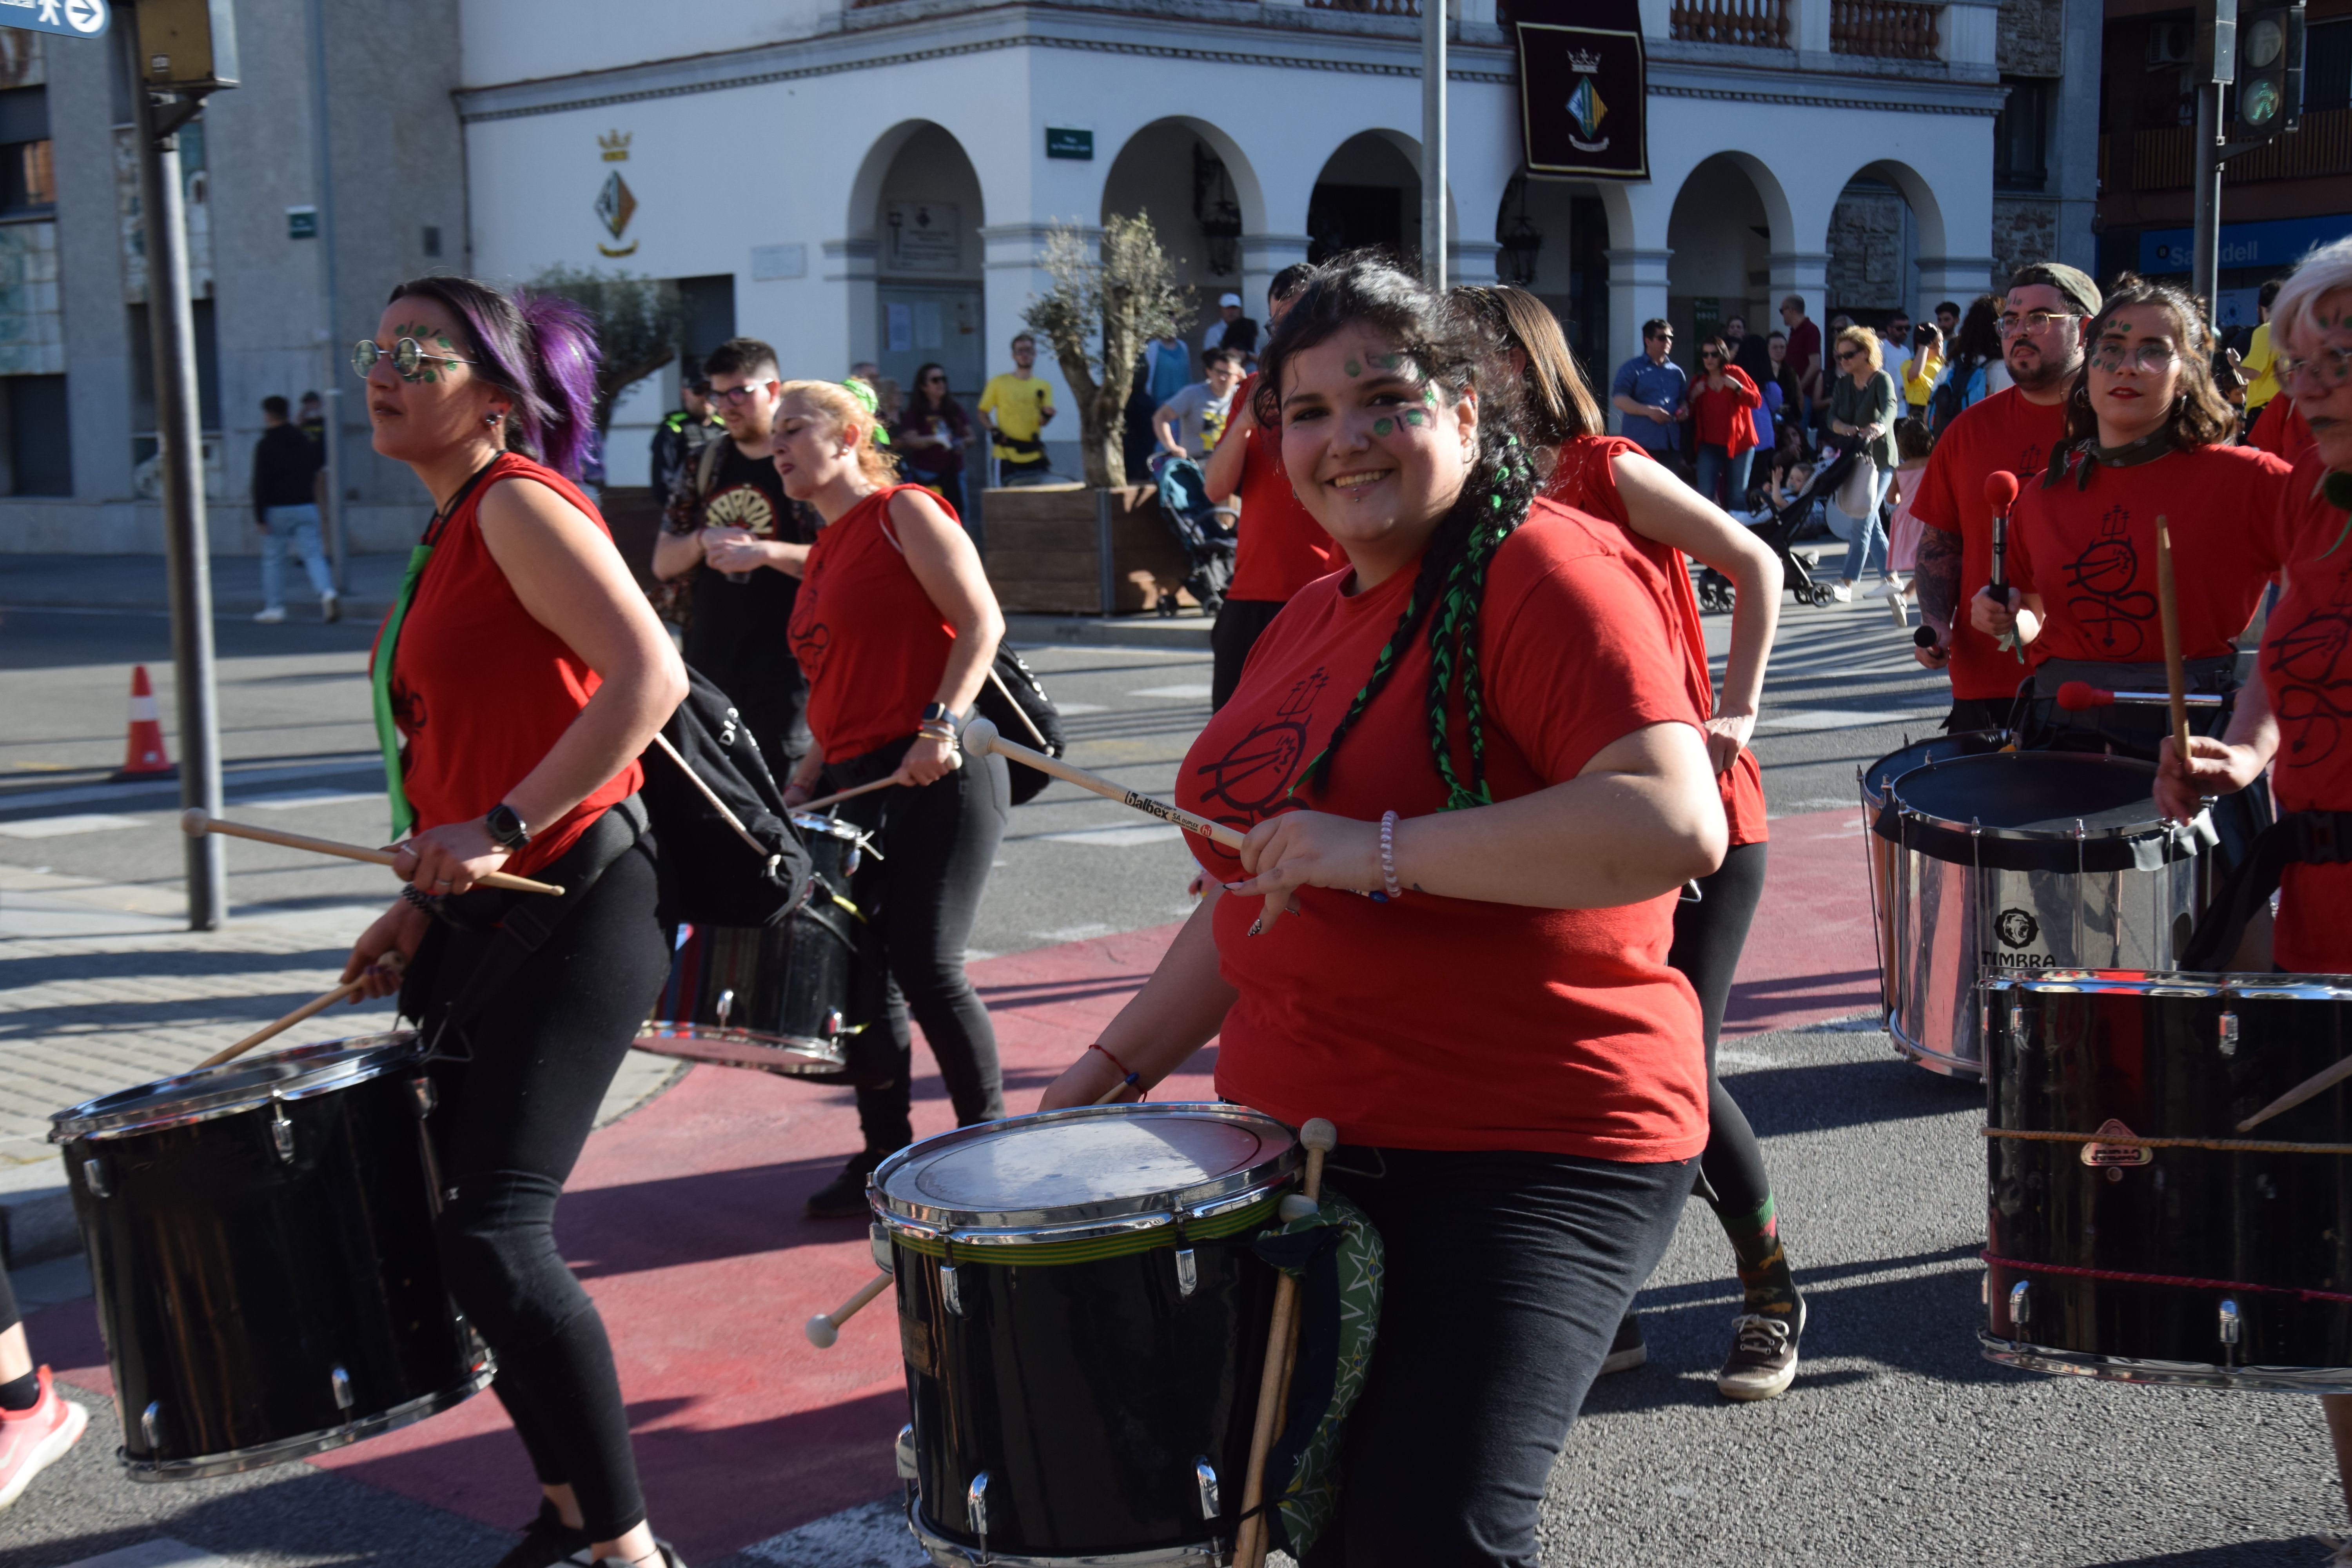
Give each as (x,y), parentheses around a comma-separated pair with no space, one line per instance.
(408,358)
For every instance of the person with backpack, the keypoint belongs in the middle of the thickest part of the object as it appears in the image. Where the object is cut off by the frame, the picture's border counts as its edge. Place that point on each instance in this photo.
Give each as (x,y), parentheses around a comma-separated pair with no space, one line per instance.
(1974,371)
(898,628)
(518,677)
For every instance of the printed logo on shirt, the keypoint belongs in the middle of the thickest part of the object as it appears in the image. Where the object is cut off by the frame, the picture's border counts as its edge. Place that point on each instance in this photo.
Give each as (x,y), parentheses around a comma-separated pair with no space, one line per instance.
(1254,777)
(810,639)
(2109,608)
(741,506)
(2315,698)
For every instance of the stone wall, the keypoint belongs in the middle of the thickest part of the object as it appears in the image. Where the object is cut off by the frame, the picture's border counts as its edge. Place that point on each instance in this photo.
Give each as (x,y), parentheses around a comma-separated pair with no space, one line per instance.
(1866,269)
(2023,230)
(2032,38)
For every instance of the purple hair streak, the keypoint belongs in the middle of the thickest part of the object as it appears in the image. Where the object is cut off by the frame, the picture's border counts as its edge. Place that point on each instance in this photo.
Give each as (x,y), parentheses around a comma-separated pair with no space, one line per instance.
(540,349)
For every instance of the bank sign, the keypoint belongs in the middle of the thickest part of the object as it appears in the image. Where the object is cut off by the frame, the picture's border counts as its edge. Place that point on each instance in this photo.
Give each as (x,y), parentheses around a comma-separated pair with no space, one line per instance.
(2277,244)
(1582,87)
(74,18)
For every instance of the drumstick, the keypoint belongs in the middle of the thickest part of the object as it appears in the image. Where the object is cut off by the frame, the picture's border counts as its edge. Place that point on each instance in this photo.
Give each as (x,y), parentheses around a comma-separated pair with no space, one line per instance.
(825,1327)
(197,821)
(1250,1547)
(2175,682)
(2325,1078)
(317,1004)
(821,803)
(979,738)
(2080,697)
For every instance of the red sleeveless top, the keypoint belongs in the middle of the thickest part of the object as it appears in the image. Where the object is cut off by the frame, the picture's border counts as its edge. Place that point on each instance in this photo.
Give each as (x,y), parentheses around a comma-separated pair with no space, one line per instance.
(481,691)
(868,637)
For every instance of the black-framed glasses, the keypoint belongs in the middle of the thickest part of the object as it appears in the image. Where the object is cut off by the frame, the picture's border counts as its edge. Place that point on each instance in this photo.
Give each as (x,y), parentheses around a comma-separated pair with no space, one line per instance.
(1845,354)
(935,380)
(408,358)
(1710,353)
(733,397)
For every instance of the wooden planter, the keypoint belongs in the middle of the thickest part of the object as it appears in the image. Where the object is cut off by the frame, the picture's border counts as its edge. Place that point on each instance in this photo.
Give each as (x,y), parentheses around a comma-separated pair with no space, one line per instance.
(1044,552)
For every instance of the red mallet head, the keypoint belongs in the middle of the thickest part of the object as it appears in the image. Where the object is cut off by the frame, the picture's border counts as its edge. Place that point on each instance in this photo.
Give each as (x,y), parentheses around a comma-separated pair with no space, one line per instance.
(2080,697)
(2000,491)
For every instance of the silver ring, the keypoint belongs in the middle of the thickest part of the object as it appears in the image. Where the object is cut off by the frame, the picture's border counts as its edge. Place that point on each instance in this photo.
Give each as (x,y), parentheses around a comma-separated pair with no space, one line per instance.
(443,881)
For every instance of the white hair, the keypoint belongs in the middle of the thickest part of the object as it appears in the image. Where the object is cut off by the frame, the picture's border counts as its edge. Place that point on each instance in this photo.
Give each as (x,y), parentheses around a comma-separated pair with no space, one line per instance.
(2325,271)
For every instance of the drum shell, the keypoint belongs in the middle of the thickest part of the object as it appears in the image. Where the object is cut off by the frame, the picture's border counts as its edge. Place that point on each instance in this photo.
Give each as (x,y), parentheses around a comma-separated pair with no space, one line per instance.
(2073,1052)
(1874,781)
(234,1284)
(1087,1391)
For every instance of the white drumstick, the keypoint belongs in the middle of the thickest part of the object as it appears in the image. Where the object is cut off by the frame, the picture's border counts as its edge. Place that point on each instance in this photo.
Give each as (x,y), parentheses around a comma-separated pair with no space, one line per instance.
(981,737)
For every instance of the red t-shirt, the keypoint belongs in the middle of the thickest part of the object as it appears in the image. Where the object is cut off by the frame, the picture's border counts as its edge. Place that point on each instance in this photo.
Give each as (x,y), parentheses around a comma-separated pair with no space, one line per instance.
(2003,433)
(2306,669)
(1280,548)
(2280,428)
(1584,478)
(1804,356)
(867,634)
(481,691)
(1723,418)
(2090,552)
(1435,1023)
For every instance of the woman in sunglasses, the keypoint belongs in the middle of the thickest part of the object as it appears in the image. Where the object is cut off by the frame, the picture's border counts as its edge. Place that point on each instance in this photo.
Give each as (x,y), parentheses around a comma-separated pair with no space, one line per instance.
(931,435)
(518,677)
(1723,401)
(1863,406)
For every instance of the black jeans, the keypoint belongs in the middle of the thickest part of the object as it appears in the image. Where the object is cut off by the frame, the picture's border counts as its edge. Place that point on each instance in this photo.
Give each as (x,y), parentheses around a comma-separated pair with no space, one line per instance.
(9,1316)
(1240,622)
(1507,1276)
(511,1119)
(1709,935)
(922,894)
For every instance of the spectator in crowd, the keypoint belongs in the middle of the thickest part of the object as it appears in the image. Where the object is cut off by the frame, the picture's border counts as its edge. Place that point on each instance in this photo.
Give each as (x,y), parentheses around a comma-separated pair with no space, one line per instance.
(1723,404)
(310,413)
(1913,445)
(1765,357)
(1863,407)
(1190,422)
(1166,368)
(931,435)
(1231,330)
(889,400)
(680,438)
(1649,392)
(1018,407)
(2258,360)
(285,509)
(1921,361)
(1947,317)
(1735,333)
(1974,363)
(867,371)
(1804,354)
(1894,338)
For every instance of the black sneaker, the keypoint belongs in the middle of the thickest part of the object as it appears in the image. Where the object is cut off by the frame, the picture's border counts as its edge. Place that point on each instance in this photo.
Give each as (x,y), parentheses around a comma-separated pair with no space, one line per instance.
(663,1553)
(1763,1359)
(546,1540)
(1626,1352)
(843,1198)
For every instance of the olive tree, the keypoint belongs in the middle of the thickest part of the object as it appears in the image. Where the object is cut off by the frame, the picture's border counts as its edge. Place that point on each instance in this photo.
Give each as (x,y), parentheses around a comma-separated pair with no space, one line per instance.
(1109,297)
(639,322)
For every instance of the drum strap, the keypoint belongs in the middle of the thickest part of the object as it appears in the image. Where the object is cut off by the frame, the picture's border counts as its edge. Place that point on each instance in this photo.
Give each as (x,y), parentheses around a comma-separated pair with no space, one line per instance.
(2296,838)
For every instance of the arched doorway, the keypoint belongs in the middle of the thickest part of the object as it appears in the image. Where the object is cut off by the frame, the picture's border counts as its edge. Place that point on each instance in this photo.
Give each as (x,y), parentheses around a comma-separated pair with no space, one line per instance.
(1720,232)
(1552,239)
(1884,221)
(925,219)
(1368,194)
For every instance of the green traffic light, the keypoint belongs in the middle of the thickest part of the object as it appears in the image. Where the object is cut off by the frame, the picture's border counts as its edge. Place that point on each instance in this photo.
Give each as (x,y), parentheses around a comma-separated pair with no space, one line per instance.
(2259,104)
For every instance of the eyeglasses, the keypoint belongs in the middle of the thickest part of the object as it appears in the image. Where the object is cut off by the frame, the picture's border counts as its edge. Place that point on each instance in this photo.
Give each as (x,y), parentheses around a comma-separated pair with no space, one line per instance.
(1710,353)
(408,358)
(2012,323)
(935,380)
(2112,353)
(1845,354)
(2329,368)
(734,395)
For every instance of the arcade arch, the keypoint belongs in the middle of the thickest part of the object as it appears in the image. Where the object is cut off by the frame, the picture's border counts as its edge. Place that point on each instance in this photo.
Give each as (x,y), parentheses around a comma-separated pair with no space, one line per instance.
(1885,218)
(1721,231)
(915,212)
(1201,195)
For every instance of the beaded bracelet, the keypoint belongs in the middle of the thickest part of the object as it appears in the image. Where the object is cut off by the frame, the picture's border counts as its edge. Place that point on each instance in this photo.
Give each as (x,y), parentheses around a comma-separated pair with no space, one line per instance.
(1395,889)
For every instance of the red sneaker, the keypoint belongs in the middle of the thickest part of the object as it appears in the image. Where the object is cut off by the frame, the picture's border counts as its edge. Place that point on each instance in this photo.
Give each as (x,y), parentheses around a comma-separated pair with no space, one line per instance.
(31,1440)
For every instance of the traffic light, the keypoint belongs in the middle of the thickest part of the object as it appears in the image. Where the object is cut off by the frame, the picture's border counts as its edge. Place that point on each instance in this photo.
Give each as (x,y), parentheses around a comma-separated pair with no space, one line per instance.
(2270,71)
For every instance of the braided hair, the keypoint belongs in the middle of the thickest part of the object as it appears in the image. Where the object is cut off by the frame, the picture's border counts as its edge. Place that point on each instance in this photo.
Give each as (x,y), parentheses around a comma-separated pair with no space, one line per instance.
(1446,347)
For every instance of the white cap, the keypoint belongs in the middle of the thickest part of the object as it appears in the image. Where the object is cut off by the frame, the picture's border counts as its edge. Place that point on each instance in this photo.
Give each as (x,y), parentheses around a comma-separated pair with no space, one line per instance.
(1232,299)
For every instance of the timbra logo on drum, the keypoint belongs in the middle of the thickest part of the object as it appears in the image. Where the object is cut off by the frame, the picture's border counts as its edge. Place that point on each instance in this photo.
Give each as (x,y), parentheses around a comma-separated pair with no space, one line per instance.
(2016,929)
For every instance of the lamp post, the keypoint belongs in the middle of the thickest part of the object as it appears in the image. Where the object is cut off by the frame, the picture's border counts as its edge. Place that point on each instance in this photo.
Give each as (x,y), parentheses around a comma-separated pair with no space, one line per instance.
(1432,143)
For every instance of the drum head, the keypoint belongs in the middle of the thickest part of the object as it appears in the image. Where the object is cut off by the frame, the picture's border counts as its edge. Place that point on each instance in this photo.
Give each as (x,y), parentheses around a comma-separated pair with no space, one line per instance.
(1078,1165)
(817,825)
(2034,792)
(1878,775)
(240,1085)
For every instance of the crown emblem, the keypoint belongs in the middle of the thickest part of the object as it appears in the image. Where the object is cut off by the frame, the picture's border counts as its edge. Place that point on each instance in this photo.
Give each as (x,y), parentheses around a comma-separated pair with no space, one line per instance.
(615,146)
(1583,60)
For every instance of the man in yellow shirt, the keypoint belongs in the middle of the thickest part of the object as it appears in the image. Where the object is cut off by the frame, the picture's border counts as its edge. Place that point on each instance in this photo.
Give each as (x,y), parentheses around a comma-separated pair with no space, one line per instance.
(1018,408)
(1921,367)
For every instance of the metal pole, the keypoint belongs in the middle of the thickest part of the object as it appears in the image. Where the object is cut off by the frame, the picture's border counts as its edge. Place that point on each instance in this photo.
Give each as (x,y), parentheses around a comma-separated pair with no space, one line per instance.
(330,389)
(1433,143)
(171,332)
(2205,247)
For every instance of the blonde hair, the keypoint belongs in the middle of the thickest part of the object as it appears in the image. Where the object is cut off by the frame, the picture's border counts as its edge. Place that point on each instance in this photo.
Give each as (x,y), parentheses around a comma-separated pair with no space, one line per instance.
(850,417)
(2327,271)
(1865,340)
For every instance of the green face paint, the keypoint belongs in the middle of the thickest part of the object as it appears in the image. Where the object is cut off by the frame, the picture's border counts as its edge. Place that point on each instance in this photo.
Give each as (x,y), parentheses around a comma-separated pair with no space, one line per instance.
(1390,362)
(1383,426)
(1429,396)
(1353,369)
(1415,417)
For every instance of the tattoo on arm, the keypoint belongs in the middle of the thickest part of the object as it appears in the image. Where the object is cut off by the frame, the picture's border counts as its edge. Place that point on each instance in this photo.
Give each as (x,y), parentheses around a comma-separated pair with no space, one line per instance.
(1935,574)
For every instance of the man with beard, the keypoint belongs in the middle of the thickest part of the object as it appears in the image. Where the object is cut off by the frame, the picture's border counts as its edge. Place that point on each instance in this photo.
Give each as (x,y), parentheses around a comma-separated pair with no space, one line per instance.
(745,544)
(2048,306)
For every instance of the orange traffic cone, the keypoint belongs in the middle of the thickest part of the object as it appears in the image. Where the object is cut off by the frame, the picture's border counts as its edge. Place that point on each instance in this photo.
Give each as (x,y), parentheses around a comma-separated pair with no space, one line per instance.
(144,757)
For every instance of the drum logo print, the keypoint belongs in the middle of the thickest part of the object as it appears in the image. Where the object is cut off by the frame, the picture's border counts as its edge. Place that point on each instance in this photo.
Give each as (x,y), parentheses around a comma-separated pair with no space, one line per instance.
(2109,608)
(2096,1154)
(2017,929)
(1256,772)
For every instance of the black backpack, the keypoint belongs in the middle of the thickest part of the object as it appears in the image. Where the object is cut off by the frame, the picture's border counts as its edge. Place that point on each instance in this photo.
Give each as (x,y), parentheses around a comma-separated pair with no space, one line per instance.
(726,836)
(1011,699)
(1944,403)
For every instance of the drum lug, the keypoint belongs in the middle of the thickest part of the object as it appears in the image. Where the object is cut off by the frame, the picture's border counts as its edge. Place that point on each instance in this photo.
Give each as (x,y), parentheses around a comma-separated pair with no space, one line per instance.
(1188,1274)
(2227,1033)
(281,1133)
(427,1097)
(1205,1474)
(726,1006)
(151,1426)
(341,1381)
(833,1022)
(906,1453)
(2230,1325)
(975,1508)
(878,1240)
(94,1177)
(2020,1303)
(950,1292)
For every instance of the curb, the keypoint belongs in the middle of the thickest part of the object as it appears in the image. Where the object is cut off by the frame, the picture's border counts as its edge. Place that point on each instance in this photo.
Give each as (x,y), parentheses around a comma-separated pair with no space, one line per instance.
(1177,634)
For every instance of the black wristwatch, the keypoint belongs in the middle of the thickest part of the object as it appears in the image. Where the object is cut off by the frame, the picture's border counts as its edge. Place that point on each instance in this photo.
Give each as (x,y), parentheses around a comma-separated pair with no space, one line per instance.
(506,828)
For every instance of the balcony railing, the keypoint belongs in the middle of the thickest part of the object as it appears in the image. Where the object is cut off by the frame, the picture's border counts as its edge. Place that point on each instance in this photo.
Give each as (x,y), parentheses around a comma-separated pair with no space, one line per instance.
(1759,23)
(1887,29)
(1369,7)
(2166,160)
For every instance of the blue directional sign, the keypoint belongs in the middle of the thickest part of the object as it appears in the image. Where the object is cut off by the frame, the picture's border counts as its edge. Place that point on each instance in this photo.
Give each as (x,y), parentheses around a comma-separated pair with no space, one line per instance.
(74,18)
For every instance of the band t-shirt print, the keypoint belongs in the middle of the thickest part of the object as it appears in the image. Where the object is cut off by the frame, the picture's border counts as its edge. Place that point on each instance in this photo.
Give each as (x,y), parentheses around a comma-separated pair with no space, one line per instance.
(2307,672)
(1438,1022)
(2090,552)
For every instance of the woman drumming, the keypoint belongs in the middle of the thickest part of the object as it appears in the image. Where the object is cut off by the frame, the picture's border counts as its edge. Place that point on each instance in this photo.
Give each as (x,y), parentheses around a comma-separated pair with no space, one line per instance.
(1609,476)
(2296,720)
(1487,720)
(516,681)
(897,627)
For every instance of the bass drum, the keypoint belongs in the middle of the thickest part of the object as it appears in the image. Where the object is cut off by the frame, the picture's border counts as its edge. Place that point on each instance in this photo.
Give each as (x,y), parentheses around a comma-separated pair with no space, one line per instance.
(784,997)
(1084,1326)
(1876,782)
(260,1242)
(2222,1267)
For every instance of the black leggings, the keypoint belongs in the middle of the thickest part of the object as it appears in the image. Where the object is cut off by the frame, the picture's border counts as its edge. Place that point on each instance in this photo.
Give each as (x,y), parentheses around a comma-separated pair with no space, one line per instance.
(1507,1274)
(508,1128)
(1709,935)
(9,1316)
(922,894)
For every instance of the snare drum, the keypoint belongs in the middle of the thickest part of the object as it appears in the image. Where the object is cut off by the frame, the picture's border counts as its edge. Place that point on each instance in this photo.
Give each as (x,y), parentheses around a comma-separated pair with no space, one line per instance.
(2026,860)
(1084,1326)
(1876,781)
(260,1242)
(2219,1267)
(780,998)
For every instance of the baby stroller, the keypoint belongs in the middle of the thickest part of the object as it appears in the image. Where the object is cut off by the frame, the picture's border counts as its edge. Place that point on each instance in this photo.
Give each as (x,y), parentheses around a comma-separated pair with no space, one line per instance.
(1203,529)
(1779,532)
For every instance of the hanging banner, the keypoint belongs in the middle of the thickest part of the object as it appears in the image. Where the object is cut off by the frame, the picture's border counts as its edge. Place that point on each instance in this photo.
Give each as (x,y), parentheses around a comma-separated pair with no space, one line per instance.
(1584,87)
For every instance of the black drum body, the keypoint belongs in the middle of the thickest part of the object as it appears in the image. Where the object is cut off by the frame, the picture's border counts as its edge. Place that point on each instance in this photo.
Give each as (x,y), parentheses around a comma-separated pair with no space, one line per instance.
(1083,1373)
(260,1242)
(2223,1267)
(779,997)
